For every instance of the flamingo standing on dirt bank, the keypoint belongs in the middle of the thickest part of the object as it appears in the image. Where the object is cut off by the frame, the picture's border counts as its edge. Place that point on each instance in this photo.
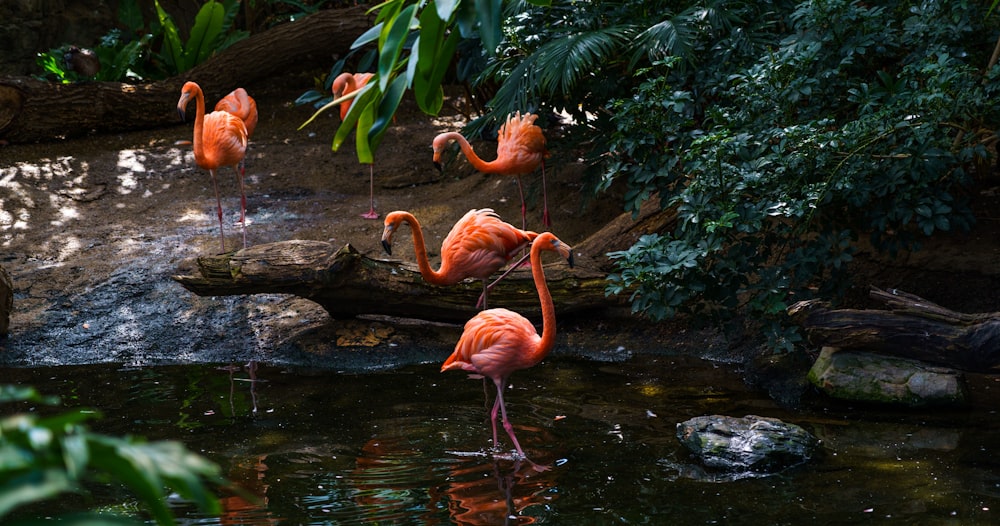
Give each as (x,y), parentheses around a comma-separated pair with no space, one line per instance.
(242,105)
(345,84)
(520,151)
(478,245)
(220,139)
(497,342)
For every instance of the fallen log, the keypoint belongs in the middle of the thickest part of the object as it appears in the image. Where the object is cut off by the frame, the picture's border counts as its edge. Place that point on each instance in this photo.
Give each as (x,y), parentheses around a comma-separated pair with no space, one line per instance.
(913,328)
(34,110)
(347,283)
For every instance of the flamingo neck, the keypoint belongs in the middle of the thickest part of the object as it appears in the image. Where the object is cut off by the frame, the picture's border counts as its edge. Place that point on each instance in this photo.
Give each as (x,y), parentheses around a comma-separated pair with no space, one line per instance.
(199,122)
(470,154)
(420,250)
(545,298)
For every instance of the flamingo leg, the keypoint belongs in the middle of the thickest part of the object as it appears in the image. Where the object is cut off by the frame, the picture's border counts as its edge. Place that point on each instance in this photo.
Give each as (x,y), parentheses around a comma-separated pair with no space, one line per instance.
(371,214)
(218,202)
(486,288)
(506,423)
(493,416)
(243,206)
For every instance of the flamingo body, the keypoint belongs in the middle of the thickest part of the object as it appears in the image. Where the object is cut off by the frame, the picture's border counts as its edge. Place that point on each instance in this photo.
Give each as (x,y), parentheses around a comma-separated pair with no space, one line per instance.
(345,84)
(520,151)
(220,139)
(497,342)
(242,105)
(478,245)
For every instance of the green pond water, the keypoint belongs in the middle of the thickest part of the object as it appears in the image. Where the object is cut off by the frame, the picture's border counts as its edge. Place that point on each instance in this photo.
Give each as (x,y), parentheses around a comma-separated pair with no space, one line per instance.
(408,446)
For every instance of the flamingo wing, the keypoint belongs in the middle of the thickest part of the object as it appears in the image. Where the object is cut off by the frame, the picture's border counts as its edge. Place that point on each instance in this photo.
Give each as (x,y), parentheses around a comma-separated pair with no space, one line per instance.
(223,141)
(495,343)
(481,243)
(520,145)
(242,105)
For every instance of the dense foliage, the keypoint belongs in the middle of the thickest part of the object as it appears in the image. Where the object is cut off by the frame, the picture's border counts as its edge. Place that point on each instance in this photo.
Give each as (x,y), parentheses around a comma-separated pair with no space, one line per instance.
(785,134)
(45,457)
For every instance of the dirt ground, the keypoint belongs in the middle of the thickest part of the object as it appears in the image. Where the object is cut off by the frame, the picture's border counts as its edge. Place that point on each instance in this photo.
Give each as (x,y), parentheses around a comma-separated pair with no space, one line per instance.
(93,229)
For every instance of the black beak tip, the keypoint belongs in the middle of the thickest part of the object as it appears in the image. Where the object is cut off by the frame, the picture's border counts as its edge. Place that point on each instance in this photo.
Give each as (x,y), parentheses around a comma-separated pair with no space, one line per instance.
(438,166)
(181,114)
(569,260)
(387,247)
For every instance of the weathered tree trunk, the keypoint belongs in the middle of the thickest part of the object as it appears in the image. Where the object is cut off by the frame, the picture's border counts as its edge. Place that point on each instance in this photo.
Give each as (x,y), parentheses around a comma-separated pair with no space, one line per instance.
(913,328)
(32,110)
(623,231)
(348,284)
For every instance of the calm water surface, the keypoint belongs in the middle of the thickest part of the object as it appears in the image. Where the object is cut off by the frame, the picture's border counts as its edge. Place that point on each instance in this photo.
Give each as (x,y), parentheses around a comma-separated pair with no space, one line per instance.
(408,446)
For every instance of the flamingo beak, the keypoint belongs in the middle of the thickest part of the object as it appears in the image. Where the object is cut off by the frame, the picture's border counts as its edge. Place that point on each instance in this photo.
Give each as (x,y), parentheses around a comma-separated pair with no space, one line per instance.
(569,260)
(180,111)
(438,166)
(387,246)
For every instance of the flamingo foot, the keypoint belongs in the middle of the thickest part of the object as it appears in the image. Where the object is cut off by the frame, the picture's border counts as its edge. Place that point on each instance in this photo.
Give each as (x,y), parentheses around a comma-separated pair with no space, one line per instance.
(371,214)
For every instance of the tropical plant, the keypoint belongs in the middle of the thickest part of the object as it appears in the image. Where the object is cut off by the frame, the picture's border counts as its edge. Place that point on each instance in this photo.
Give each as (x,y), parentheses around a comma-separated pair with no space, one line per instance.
(43,457)
(785,134)
(212,32)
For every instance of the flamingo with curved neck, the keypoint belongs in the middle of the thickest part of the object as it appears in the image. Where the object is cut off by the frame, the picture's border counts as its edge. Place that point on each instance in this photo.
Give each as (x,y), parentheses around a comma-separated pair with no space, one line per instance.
(520,151)
(220,139)
(497,342)
(477,246)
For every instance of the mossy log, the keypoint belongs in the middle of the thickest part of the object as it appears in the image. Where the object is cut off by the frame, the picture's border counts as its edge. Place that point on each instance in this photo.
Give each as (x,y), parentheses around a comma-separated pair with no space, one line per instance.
(33,110)
(347,283)
(913,328)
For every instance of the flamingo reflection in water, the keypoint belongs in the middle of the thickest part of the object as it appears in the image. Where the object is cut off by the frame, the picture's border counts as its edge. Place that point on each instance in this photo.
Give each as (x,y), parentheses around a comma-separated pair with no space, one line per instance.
(391,475)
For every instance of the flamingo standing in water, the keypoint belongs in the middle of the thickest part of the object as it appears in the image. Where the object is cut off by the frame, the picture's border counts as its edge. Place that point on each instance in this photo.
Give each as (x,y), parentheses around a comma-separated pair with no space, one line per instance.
(345,84)
(476,247)
(242,105)
(220,139)
(497,342)
(520,151)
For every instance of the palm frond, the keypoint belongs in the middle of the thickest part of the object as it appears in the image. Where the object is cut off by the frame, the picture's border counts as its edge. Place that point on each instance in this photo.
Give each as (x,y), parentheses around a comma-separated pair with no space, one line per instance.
(563,61)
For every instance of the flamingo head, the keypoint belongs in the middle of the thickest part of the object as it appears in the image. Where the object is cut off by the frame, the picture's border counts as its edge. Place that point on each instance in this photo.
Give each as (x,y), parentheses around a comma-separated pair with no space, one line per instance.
(392,222)
(187,92)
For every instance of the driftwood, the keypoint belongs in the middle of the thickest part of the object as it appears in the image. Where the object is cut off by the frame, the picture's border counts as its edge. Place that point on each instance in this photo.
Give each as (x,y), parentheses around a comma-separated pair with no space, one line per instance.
(33,110)
(912,328)
(347,283)
(623,231)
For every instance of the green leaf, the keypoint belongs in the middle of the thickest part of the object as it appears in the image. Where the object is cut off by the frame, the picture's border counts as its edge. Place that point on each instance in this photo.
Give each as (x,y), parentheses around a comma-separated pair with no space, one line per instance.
(386,109)
(37,485)
(392,46)
(174,52)
(368,36)
(490,23)
(364,98)
(445,8)
(208,25)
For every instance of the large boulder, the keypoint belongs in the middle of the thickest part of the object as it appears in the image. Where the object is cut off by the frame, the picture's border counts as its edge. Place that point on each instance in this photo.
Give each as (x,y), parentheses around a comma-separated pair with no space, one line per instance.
(751,443)
(862,376)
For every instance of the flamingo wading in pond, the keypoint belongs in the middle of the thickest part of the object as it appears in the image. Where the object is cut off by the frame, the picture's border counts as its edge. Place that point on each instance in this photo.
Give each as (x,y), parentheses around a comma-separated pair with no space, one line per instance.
(345,84)
(497,342)
(520,151)
(478,245)
(220,139)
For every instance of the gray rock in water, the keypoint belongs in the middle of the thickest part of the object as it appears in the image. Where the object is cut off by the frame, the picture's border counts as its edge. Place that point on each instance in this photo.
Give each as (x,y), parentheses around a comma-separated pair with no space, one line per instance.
(752,443)
(855,375)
